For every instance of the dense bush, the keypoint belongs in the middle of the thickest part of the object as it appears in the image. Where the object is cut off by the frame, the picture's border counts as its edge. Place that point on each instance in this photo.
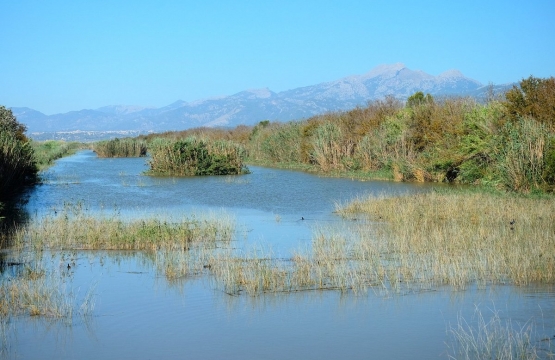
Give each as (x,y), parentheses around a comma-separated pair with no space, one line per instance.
(17,163)
(120,148)
(193,156)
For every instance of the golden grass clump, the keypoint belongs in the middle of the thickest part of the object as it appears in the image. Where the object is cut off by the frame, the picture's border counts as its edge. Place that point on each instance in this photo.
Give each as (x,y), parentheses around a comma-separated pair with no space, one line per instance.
(74,229)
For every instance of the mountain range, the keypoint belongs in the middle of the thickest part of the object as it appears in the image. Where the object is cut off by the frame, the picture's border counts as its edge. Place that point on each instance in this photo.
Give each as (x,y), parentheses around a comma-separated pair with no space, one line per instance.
(251,106)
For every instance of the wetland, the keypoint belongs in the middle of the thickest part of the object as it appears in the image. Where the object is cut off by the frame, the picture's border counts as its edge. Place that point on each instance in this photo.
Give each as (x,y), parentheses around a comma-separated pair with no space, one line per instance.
(275,264)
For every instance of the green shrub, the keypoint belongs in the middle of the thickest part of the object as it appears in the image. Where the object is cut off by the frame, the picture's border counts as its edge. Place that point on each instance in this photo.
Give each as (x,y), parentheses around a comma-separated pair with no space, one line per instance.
(533,98)
(282,144)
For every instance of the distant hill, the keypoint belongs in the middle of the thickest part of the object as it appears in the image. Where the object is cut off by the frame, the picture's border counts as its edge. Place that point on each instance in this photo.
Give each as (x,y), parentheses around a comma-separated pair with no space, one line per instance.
(251,106)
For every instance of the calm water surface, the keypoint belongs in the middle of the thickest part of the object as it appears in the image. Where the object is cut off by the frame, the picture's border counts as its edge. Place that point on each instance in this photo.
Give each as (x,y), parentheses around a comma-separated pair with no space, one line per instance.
(138,315)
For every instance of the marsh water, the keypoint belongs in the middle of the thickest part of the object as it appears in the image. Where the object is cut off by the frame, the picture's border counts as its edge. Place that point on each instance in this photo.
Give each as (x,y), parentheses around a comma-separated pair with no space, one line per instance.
(138,314)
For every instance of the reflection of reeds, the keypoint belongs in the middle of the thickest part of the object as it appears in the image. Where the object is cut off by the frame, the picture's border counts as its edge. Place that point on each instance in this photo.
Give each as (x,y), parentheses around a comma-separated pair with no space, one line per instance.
(5,336)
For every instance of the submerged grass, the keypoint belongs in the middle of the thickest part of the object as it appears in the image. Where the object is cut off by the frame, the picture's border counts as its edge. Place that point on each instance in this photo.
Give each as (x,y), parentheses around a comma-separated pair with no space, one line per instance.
(35,287)
(35,293)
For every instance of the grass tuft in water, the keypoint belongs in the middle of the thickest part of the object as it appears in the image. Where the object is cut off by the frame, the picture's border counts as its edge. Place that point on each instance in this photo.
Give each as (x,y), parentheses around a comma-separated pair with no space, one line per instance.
(36,292)
(496,339)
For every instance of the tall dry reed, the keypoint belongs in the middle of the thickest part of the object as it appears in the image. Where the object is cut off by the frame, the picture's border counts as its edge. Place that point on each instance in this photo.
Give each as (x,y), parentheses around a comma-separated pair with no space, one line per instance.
(120,148)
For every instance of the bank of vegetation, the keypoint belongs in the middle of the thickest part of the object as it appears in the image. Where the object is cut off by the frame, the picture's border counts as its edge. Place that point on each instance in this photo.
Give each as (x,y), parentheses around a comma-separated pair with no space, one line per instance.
(35,285)
(46,152)
(21,160)
(507,143)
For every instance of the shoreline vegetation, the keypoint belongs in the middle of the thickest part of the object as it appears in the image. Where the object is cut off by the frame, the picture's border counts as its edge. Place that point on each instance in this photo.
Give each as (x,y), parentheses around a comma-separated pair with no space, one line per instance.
(391,244)
(507,144)
(21,161)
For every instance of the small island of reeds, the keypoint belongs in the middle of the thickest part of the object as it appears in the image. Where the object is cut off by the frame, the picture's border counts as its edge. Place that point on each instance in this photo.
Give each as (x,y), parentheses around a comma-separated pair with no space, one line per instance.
(196,156)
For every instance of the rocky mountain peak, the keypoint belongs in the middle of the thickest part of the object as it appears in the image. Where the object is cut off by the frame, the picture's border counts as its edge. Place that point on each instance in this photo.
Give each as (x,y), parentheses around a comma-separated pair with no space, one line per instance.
(385,70)
(453,73)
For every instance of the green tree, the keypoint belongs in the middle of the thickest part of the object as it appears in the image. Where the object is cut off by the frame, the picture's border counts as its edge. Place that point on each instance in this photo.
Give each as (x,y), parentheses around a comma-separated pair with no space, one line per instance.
(9,124)
(17,161)
(418,98)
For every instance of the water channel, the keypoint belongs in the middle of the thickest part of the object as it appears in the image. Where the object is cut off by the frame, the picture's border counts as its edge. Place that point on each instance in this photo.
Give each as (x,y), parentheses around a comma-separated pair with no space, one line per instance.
(140,315)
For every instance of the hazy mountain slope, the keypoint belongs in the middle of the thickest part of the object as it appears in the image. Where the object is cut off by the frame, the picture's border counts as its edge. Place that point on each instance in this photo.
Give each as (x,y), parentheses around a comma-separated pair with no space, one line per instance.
(251,106)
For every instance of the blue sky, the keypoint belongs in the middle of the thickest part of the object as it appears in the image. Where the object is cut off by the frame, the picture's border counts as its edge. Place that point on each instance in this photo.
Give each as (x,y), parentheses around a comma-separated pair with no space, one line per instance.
(60,56)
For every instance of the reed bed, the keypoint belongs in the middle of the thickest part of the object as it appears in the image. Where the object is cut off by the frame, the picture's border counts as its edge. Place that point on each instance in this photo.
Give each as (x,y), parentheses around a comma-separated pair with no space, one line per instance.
(120,148)
(460,238)
(46,152)
(74,228)
(409,243)
(36,292)
(177,248)
(326,266)
(18,167)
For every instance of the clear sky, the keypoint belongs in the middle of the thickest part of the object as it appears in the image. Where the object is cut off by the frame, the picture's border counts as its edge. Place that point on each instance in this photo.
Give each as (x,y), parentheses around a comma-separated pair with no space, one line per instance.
(68,55)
